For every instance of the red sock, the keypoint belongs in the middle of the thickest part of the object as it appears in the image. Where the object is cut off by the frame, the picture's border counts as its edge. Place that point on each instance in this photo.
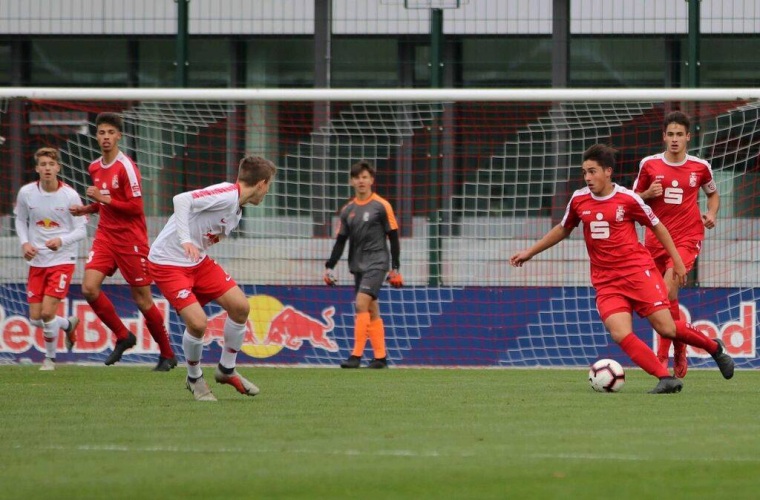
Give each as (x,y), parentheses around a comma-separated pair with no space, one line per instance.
(675,312)
(155,323)
(689,335)
(104,309)
(642,355)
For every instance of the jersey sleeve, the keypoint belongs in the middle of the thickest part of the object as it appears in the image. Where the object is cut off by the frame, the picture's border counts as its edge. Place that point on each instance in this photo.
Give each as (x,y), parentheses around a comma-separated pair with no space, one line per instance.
(21,213)
(641,212)
(570,220)
(389,218)
(78,224)
(708,182)
(343,223)
(130,182)
(643,179)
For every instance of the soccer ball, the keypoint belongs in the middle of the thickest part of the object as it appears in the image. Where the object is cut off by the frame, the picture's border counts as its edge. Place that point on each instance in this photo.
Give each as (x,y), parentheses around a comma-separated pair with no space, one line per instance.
(606,375)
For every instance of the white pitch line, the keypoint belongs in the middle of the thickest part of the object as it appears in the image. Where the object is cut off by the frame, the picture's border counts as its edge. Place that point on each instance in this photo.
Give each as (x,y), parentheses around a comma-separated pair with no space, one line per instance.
(379,453)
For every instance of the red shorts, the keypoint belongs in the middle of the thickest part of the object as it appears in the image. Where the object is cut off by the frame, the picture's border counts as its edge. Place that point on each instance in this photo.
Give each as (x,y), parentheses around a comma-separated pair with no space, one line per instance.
(51,281)
(644,292)
(132,261)
(183,286)
(688,250)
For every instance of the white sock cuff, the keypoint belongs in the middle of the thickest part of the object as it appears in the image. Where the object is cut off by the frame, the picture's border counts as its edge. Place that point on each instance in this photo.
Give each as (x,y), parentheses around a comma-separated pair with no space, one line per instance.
(36,322)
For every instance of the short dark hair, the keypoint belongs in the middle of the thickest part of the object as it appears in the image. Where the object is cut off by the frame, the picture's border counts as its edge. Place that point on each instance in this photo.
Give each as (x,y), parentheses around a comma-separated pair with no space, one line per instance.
(603,154)
(253,169)
(362,166)
(112,119)
(677,117)
(51,152)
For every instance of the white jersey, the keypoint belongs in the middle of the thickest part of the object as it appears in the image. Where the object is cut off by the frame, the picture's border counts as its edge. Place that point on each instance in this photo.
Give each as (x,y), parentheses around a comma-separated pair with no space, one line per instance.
(41,216)
(202,217)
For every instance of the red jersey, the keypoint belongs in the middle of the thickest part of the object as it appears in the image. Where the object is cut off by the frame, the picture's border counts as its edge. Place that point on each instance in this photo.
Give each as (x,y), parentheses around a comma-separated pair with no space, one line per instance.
(678,207)
(122,182)
(610,231)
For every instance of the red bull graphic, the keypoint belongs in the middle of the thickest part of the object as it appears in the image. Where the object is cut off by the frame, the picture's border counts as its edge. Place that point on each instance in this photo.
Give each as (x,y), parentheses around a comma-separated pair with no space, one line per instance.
(272,326)
(739,336)
(47,224)
(18,335)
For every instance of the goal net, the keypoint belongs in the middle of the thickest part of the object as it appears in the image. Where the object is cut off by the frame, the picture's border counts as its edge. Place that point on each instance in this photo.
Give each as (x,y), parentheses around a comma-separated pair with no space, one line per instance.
(472,176)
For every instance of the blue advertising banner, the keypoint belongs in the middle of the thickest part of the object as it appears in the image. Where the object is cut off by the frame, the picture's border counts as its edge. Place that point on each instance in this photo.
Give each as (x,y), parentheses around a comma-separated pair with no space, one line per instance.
(494,327)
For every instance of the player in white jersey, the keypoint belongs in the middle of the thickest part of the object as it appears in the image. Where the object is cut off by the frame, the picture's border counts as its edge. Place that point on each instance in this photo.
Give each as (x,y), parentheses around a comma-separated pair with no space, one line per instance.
(189,279)
(49,235)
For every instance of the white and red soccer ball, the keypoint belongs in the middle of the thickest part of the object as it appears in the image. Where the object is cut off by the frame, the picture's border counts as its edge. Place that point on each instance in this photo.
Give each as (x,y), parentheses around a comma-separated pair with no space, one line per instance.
(606,375)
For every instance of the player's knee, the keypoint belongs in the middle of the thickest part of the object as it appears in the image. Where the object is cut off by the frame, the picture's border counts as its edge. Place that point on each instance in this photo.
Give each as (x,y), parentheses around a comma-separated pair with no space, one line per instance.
(667,331)
(239,312)
(47,316)
(90,292)
(197,327)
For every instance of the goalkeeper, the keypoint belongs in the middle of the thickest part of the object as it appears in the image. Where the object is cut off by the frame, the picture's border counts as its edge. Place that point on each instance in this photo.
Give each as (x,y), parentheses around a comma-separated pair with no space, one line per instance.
(365,222)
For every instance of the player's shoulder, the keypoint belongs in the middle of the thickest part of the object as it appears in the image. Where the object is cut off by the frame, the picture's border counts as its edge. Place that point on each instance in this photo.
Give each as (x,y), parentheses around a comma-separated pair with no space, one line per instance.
(125,160)
(698,161)
(382,201)
(651,160)
(28,188)
(625,192)
(580,194)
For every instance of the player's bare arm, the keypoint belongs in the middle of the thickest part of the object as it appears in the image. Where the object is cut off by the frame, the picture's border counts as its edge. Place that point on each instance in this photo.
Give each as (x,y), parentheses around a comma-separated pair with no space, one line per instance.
(79,210)
(679,269)
(554,236)
(653,191)
(713,204)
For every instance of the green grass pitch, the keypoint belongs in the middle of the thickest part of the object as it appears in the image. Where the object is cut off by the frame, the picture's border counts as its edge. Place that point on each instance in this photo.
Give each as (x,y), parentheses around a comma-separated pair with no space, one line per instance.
(127,432)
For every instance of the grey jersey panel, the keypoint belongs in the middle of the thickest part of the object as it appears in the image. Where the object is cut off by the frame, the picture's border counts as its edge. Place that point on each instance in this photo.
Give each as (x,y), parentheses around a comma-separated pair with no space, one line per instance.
(366,226)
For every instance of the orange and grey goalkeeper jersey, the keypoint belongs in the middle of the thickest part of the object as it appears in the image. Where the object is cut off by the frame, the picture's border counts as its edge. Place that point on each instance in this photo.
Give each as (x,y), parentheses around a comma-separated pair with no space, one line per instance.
(366,224)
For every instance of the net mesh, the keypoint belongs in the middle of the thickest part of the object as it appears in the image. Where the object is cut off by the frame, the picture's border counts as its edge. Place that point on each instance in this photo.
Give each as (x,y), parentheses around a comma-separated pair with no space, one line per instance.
(471,183)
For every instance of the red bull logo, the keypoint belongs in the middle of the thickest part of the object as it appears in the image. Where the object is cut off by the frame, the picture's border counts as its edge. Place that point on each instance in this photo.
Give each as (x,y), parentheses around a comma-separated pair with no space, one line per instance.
(47,224)
(739,336)
(18,335)
(272,326)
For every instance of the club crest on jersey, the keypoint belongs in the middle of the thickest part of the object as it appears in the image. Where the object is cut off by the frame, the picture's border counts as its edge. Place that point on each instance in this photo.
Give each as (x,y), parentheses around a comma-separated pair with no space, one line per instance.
(619,213)
(693,179)
(366,216)
(115,182)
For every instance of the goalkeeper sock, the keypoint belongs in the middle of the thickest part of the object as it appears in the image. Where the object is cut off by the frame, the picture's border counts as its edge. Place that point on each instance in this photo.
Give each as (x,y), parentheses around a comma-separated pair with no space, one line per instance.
(233,341)
(155,323)
(689,335)
(50,333)
(193,349)
(104,309)
(377,337)
(361,328)
(642,355)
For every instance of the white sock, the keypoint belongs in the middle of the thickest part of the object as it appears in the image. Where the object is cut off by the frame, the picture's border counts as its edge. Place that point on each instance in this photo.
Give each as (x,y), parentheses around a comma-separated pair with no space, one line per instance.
(63,323)
(36,322)
(193,352)
(50,332)
(233,341)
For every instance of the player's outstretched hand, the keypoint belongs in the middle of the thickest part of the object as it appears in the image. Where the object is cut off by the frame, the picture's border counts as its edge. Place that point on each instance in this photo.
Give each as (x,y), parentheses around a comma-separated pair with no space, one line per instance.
(395,279)
(330,278)
(519,258)
(77,210)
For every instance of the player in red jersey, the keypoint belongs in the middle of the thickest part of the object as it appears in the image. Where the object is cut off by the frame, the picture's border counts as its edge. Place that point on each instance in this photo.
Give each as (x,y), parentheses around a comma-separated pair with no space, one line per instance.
(622,270)
(669,182)
(49,237)
(190,279)
(121,242)
(367,222)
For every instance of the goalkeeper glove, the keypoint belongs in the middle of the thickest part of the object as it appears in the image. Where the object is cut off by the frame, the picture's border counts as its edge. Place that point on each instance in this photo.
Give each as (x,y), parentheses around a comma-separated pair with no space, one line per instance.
(330,278)
(395,279)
